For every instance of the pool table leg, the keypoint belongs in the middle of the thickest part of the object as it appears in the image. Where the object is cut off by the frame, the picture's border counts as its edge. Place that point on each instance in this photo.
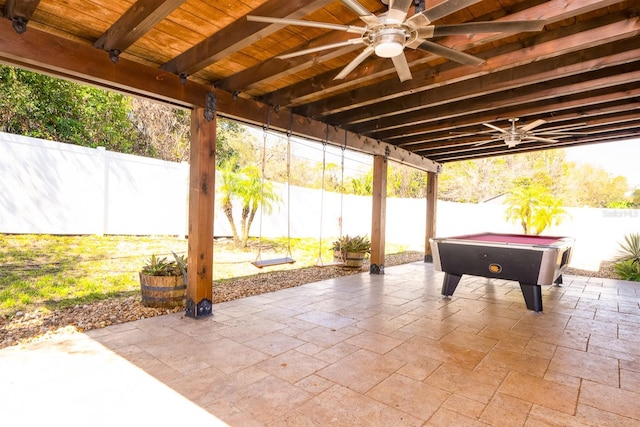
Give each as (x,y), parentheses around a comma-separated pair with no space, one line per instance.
(532,296)
(449,284)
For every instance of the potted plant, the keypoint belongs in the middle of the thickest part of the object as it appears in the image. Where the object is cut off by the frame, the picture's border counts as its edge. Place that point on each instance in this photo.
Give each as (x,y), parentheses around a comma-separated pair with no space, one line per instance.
(163,283)
(352,250)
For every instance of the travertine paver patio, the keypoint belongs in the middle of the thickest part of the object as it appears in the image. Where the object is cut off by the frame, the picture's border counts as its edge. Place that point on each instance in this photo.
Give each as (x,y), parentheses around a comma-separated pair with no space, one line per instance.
(365,350)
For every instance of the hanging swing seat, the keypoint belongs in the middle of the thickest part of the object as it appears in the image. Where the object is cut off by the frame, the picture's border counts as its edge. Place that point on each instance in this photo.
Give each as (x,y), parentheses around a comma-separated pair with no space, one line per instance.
(259,262)
(272,262)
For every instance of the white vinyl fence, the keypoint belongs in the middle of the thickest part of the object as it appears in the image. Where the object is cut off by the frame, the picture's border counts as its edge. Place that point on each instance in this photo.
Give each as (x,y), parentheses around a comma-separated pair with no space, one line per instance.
(55,188)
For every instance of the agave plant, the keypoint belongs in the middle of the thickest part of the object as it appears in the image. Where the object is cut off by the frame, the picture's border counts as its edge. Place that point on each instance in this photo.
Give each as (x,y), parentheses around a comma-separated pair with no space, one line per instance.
(355,244)
(630,249)
(157,266)
(627,265)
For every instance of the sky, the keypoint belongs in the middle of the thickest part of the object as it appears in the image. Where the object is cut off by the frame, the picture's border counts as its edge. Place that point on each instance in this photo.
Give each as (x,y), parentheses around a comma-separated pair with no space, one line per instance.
(617,158)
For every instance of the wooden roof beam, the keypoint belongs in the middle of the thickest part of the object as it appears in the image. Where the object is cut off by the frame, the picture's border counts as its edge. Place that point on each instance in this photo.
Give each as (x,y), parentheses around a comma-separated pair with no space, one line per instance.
(19,12)
(133,24)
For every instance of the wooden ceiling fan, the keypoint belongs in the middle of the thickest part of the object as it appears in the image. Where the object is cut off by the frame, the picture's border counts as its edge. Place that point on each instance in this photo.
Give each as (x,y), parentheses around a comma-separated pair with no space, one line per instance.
(388,34)
(515,135)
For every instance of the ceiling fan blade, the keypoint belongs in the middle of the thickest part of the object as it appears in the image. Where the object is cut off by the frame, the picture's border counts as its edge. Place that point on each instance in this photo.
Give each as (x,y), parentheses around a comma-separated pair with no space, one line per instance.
(565,128)
(398,10)
(488,27)
(440,11)
(302,23)
(497,128)
(451,54)
(561,133)
(477,144)
(357,8)
(320,48)
(530,126)
(353,64)
(537,138)
(402,67)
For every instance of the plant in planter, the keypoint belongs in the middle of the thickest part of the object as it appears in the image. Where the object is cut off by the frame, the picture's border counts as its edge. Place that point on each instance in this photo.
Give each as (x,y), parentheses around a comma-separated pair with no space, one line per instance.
(163,283)
(352,250)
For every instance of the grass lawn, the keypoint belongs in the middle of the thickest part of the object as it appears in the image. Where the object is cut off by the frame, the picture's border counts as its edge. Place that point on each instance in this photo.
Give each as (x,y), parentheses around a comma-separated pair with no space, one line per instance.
(55,271)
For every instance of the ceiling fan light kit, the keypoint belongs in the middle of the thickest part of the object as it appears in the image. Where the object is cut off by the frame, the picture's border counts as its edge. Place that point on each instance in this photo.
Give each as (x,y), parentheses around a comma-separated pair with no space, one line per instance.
(389,42)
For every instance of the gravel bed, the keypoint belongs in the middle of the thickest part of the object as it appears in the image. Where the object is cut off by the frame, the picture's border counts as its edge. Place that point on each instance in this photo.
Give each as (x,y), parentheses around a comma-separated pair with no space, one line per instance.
(42,324)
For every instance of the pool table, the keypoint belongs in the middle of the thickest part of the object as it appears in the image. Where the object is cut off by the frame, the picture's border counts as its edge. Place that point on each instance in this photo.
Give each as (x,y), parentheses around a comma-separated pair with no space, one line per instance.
(533,261)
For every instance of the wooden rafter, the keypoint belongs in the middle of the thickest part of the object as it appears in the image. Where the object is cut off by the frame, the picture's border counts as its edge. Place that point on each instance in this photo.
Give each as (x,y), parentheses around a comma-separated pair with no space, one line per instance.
(134,23)
(238,35)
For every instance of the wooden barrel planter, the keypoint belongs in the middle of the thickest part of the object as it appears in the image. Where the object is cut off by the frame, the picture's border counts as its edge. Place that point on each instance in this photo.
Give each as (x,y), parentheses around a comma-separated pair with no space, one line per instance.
(163,291)
(354,259)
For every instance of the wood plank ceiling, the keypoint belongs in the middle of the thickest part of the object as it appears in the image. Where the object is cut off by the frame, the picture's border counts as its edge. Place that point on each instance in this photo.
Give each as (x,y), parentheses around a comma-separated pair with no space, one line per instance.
(580,72)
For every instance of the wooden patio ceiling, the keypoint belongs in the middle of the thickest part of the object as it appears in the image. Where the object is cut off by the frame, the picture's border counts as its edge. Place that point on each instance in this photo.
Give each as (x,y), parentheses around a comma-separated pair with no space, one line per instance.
(581,70)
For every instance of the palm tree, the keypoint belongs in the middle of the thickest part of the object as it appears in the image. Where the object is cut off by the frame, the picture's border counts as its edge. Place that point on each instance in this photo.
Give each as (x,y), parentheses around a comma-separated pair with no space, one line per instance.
(533,206)
(229,187)
(246,187)
(254,192)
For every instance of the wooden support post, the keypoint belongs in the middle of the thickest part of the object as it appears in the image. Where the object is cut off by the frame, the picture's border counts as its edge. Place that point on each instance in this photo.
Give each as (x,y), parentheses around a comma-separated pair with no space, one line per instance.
(379,212)
(432,202)
(201,199)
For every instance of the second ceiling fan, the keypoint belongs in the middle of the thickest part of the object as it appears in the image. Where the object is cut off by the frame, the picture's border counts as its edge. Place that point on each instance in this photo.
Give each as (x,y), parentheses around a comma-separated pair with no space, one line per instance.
(515,135)
(388,34)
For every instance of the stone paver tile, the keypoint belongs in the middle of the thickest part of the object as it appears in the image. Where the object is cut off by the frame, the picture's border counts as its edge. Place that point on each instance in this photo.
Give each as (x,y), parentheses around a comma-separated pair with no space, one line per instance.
(247,331)
(360,371)
(328,320)
(292,366)
(267,399)
(413,397)
(480,386)
(323,337)
(374,342)
(465,406)
(429,328)
(275,343)
(600,418)
(229,356)
(445,417)
(418,350)
(340,406)
(470,341)
(603,370)
(336,352)
(611,399)
(536,390)
(630,380)
(314,384)
(506,411)
(419,370)
(593,326)
(540,349)
(611,343)
(539,416)
(514,361)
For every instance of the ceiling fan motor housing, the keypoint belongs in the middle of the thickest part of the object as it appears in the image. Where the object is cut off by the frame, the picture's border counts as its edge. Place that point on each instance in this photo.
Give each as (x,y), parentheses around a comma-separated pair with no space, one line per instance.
(389,42)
